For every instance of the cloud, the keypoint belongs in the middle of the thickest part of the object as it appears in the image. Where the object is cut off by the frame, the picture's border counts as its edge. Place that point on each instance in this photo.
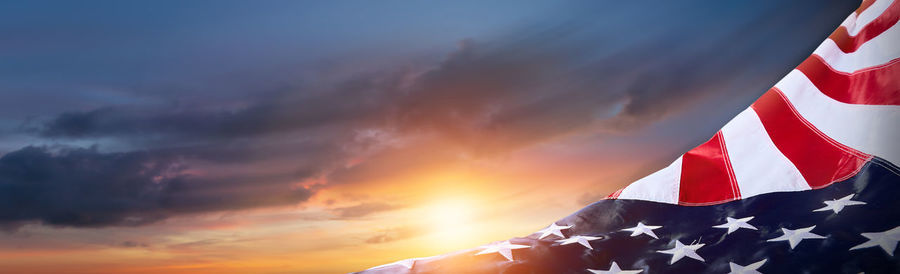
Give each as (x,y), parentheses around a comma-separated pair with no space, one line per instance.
(363,209)
(348,125)
(519,94)
(394,234)
(86,188)
(131,244)
(521,88)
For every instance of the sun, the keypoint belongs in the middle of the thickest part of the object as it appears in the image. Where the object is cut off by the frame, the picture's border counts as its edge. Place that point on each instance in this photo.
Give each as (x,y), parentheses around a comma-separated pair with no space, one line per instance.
(451,221)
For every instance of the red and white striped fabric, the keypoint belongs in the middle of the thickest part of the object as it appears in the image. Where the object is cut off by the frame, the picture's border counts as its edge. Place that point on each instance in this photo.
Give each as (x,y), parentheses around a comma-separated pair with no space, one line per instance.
(819,125)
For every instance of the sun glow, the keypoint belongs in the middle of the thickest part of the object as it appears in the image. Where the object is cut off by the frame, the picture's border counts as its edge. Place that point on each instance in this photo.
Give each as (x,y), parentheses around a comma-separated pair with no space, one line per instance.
(451,221)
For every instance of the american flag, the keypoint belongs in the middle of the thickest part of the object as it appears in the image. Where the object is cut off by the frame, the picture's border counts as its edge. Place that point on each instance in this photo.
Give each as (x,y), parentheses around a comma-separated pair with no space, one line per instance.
(805,180)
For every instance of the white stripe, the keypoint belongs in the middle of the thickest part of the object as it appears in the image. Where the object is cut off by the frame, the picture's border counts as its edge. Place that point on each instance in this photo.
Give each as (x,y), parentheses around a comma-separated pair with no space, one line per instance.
(872,129)
(758,165)
(881,49)
(850,22)
(661,186)
(865,17)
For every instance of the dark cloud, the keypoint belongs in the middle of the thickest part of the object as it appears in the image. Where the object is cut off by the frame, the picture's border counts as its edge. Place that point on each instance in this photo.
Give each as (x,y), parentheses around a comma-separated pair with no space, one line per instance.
(519,88)
(133,244)
(308,112)
(84,187)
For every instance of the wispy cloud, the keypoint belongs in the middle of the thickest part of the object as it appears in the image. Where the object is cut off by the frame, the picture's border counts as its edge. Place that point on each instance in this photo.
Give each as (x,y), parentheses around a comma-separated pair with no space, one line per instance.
(394,234)
(363,209)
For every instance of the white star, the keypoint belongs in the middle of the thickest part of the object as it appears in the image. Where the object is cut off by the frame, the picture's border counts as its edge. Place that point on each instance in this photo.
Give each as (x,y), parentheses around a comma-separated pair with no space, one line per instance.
(887,240)
(734,224)
(750,269)
(839,204)
(681,250)
(643,229)
(614,269)
(408,263)
(504,248)
(583,240)
(553,229)
(795,236)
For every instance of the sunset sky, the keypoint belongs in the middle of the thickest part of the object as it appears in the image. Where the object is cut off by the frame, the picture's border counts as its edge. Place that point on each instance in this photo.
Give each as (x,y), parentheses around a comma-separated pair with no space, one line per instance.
(333,136)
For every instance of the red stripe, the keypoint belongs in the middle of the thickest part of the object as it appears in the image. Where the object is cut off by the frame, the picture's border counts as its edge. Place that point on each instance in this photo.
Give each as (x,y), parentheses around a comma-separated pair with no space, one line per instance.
(706,175)
(821,160)
(883,22)
(864,5)
(736,192)
(615,195)
(873,86)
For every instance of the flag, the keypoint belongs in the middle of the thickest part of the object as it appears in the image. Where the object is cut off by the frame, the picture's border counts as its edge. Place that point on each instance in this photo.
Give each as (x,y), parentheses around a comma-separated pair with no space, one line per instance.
(805,180)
